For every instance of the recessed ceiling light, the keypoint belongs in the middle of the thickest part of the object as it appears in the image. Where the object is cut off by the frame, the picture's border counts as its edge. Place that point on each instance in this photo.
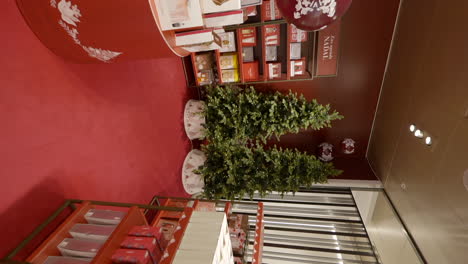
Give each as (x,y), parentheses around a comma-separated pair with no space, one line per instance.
(418,133)
(428,141)
(412,128)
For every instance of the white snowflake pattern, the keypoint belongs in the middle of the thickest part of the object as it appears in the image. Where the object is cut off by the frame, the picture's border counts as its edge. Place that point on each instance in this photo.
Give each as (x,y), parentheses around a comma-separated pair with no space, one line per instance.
(100,54)
(327,7)
(70,15)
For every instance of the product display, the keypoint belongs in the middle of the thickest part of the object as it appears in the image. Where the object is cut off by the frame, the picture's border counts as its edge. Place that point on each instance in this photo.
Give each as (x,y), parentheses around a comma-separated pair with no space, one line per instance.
(167,228)
(228,42)
(224,18)
(204,61)
(66,260)
(238,238)
(248,54)
(270,10)
(131,256)
(92,232)
(228,61)
(205,77)
(295,51)
(297,35)
(251,71)
(248,36)
(206,207)
(274,70)
(197,37)
(228,76)
(298,67)
(73,247)
(214,6)
(271,53)
(272,35)
(202,47)
(179,14)
(104,217)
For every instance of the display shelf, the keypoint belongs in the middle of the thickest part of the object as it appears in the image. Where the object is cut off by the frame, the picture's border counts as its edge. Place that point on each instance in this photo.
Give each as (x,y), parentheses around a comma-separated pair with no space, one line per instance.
(174,243)
(288,52)
(49,246)
(194,66)
(218,66)
(134,217)
(259,231)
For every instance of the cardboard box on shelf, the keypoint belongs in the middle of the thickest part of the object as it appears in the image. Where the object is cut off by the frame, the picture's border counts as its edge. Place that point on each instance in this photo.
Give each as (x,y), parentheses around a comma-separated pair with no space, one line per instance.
(251,71)
(295,51)
(271,34)
(274,70)
(270,11)
(224,18)
(248,36)
(298,67)
(248,54)
(250,11)
(271,53)
(228,61)
(179,14)
(205,77)
(246,3)
(231,75)
(298,35)
(228,42)
(202,47)
(204,61)
(214,6)
(196,37)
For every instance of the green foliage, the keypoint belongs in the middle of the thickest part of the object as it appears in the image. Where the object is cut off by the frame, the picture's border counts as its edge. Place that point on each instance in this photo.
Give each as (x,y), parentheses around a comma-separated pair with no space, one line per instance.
(234,170)
(232,113)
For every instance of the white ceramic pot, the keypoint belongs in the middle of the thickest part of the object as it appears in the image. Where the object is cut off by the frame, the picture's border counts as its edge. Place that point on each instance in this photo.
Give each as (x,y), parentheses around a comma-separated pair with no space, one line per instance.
(193,119)
(193,183)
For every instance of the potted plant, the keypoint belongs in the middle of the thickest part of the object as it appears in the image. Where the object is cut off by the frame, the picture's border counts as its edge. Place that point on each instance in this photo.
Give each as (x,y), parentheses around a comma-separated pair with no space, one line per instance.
(233,113)
(232,170)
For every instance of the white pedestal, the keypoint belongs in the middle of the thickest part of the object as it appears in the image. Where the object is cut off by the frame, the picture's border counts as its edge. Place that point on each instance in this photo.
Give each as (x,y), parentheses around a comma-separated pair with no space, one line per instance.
(193,183)
(193,119)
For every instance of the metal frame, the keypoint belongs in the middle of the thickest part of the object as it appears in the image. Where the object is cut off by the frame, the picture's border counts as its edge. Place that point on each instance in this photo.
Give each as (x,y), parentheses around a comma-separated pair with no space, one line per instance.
(70,203)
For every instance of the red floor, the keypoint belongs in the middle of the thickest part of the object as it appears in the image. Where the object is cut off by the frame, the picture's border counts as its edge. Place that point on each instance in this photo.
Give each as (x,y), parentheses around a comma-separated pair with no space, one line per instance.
(105,132)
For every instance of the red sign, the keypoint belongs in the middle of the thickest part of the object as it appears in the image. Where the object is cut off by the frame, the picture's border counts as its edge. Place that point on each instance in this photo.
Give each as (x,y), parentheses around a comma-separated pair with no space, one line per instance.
(328,49)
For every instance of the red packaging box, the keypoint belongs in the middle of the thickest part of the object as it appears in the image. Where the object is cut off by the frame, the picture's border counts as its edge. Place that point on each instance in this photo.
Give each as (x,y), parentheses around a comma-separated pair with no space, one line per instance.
(145,231)
(271,34)
(250,10)
(167,228)
(270,11)
(298,35)
(251,71)
(298,67)
(274,70)
(248,36)
(133,256)
(148,243)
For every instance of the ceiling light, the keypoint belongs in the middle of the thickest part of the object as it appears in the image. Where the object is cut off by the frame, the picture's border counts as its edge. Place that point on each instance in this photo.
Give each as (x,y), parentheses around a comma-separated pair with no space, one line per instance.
(428,141)
(418,133)
(412,128)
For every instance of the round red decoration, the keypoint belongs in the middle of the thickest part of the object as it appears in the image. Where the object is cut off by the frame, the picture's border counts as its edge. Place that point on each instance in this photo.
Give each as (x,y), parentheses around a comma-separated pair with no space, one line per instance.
(347,146)
(312,15)
(325,152)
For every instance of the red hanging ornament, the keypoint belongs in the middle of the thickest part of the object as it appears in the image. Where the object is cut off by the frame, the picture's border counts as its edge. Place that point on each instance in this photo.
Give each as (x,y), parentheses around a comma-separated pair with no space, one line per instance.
(312,15)
(325,152)
(347,146)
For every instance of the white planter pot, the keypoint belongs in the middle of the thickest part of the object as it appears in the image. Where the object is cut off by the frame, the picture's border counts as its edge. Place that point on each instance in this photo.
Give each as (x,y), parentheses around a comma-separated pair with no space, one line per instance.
(193,119)
(193,183)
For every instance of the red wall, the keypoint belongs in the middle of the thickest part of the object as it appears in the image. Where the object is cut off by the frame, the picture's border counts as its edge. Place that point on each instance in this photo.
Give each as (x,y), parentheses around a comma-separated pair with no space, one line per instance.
(366,33)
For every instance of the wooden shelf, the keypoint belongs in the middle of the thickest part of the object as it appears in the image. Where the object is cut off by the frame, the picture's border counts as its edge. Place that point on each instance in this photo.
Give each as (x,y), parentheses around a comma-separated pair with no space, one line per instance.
(134,217)
(49,246)
(173,246)
(259,231)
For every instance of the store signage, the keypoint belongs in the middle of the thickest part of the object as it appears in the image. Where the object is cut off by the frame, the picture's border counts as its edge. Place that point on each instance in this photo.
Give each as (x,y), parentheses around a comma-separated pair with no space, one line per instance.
(328,50)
